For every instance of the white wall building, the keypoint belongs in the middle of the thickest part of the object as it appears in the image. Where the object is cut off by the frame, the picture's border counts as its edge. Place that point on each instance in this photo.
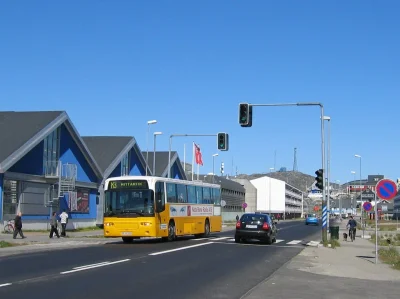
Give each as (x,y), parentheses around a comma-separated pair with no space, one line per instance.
(285,199)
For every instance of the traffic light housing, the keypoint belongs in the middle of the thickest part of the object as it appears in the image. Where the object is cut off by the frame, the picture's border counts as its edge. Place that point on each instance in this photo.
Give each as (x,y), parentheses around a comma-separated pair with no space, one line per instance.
(320,179)
(223,141)
(245,115)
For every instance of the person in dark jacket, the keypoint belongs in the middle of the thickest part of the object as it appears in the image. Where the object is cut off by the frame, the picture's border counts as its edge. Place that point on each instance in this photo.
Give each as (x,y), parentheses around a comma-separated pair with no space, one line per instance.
(18,226)
(53,223)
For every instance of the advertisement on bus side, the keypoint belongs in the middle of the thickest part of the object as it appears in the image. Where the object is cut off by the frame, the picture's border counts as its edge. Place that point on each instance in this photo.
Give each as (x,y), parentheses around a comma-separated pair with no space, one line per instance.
(190,210)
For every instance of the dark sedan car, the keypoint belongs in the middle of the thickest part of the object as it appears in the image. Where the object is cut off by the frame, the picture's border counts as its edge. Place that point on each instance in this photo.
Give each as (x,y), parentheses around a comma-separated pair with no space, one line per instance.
(256,226)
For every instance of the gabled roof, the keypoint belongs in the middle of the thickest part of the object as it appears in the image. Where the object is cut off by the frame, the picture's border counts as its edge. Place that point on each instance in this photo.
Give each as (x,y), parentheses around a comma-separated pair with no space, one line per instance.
(161,169)
(22,131)
(110,150)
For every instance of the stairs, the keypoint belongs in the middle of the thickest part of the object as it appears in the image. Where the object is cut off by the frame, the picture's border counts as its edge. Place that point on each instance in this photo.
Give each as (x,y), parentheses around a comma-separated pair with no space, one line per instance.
(66,175)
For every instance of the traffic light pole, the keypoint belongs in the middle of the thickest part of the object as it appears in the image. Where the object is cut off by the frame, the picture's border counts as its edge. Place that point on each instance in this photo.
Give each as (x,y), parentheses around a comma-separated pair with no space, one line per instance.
(324,201)
(182,135)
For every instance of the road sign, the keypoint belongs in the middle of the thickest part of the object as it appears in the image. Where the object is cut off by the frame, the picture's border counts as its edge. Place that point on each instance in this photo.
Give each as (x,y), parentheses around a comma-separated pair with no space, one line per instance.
(223,203)
(244,205)
(367,206)
(386,189)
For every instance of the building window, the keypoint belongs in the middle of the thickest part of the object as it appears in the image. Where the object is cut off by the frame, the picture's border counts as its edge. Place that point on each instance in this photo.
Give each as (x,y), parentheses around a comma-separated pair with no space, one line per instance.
(51,153)
(125,165)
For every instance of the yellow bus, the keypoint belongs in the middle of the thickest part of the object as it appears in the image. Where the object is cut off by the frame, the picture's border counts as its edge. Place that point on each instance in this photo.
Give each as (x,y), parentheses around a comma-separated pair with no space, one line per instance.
(145,206)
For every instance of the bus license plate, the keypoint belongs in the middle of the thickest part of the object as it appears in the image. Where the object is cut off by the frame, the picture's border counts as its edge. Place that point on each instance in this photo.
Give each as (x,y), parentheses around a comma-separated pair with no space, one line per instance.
(127,233)
(251,226)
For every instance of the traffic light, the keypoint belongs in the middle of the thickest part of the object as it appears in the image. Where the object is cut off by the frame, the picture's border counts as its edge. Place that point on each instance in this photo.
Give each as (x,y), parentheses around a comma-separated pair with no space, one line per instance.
(320,179)
(245,115)
(223,141)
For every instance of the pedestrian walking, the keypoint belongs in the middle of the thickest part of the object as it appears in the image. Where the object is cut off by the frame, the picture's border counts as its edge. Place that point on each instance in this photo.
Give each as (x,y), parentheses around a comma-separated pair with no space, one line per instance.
(53,224)
(18,226)
(64,221)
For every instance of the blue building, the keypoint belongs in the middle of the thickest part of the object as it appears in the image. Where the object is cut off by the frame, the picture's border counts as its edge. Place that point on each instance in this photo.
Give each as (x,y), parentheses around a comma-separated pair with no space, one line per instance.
(161,165)
(116,156)
(45,166)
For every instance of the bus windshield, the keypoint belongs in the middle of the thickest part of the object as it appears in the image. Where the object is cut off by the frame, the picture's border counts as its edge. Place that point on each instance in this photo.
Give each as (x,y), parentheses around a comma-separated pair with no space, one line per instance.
(129,203)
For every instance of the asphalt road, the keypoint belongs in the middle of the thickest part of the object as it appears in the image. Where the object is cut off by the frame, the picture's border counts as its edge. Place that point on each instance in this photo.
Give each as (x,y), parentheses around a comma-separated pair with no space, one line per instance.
(215,267)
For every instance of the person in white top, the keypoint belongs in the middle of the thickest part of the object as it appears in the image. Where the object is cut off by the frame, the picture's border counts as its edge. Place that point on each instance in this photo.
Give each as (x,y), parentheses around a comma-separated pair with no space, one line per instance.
(64,221)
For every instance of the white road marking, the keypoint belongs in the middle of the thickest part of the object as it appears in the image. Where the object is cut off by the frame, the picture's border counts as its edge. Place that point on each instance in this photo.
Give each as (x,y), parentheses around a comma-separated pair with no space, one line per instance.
(89,266)
(181,248)
(294,242)
(261,245)
(278,241)
(222,238)
(5,285)
(77,269)
(200,239)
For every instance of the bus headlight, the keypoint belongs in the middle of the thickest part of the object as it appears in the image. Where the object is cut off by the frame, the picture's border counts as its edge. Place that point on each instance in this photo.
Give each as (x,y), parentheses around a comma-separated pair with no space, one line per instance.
(145,223)
(109,224)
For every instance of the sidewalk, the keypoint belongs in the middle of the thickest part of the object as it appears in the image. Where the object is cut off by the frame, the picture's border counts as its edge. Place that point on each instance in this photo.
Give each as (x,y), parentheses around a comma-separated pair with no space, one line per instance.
(348,271)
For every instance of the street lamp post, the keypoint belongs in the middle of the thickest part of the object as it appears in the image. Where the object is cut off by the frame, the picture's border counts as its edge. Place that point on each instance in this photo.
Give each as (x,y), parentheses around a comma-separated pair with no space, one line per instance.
(213,156)
(269,197)
(150,122)
(154,152)
(328,166)
(362,214)
(352,197)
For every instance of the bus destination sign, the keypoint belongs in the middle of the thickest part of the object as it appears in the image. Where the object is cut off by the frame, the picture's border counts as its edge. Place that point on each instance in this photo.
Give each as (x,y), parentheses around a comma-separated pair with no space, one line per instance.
(125,184)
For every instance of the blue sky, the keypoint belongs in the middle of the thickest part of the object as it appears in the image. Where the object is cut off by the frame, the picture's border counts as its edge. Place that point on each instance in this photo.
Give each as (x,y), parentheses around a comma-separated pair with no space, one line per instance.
(114,65)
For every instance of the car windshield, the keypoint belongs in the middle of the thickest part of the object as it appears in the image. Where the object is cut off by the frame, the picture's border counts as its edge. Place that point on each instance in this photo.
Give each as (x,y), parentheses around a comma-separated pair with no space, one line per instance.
(311,215)
(129,203)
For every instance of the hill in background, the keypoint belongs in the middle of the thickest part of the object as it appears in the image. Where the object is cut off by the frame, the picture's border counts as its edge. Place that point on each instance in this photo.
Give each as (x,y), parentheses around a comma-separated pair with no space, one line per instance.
(296,179)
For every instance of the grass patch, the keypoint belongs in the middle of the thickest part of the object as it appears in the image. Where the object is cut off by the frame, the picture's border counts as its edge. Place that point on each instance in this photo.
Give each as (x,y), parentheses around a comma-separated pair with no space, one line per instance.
(332,242)
(383,239)
(4,244)
(390,256)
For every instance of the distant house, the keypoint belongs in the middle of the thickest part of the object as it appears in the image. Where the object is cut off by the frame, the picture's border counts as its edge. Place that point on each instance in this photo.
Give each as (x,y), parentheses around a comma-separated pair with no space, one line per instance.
(161,165)
(45,166)
(116,156)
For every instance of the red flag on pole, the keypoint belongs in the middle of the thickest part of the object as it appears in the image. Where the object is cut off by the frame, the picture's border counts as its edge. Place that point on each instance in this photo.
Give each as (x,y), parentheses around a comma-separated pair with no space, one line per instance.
(198,155)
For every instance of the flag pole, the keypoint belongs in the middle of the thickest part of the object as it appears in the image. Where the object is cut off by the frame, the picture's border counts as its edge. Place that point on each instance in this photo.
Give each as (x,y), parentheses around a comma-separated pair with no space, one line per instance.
(193,161)
(198,166)
(184,157)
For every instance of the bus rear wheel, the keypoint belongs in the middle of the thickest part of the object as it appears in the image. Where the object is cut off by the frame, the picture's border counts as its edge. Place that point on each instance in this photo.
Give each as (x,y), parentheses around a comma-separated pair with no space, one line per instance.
(171,231)
(206,229)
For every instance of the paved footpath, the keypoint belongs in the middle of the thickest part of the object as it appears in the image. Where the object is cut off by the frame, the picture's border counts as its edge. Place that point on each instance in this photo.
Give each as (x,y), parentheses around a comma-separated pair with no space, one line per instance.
(348,271)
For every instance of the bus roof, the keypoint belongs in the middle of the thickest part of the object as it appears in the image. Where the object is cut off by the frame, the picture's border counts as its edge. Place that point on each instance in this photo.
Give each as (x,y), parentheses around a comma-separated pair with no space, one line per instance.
(152,179)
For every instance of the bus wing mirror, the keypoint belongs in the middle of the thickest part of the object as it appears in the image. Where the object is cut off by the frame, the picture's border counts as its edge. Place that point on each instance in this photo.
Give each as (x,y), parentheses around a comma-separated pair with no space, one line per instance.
(160,206)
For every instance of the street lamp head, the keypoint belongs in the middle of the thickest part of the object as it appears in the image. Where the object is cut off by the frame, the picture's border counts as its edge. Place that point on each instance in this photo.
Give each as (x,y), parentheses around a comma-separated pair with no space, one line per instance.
(271,168)
(353,172)
(215,155)
(357,156)
(151,122)
(157,133)
(327,118)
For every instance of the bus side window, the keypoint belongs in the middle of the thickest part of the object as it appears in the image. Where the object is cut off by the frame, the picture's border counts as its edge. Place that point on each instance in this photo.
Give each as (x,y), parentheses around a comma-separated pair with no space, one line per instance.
(171,193)
(206,195)
(217,196)
(191,194)
(160,197)
(199,194)
(182,193)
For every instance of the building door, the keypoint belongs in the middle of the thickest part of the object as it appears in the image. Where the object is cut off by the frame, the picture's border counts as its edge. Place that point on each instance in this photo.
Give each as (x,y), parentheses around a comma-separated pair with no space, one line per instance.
(34,198)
